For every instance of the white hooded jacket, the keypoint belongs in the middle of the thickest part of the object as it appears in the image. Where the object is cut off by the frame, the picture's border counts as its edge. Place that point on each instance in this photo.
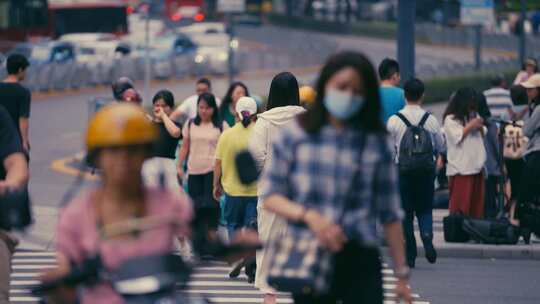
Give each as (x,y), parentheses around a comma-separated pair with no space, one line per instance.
(268,124)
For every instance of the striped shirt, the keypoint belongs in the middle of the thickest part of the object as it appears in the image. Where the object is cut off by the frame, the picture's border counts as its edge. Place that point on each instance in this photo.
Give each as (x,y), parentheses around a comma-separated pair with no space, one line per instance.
(327,170)
(499,102)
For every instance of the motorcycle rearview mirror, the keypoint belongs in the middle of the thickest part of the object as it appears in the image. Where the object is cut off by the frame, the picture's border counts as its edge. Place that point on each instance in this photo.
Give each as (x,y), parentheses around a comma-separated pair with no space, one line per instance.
(246,167)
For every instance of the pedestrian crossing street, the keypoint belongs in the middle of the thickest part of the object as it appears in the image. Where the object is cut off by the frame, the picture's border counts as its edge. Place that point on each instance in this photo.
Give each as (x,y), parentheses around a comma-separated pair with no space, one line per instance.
(210,280)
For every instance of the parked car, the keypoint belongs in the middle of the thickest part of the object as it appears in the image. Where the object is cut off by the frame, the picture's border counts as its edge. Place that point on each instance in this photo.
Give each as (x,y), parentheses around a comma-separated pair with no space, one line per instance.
(171,55)
(204,28)
(85,38)
(46,52)
(213,51)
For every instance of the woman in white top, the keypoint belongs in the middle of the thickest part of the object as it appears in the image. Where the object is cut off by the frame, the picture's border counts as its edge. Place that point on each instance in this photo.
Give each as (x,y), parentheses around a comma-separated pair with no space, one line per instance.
(466,154)
(282,108)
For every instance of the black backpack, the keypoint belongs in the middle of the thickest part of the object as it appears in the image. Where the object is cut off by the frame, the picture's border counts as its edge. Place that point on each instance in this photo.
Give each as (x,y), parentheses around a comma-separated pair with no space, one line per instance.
(416,147)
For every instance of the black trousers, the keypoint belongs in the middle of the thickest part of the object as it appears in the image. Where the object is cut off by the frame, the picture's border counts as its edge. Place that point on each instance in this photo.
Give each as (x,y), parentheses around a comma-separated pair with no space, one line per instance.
(515,172)
(200,187)
(530,180)
(357,279)
(490,198)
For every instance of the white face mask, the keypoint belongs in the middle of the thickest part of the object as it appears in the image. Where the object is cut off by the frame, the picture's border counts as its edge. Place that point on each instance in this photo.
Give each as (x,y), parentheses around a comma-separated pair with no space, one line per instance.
(342,105)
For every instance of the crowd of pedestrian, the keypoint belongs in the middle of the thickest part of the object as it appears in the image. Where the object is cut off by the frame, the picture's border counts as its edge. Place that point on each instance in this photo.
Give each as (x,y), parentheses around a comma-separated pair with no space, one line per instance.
(338,162)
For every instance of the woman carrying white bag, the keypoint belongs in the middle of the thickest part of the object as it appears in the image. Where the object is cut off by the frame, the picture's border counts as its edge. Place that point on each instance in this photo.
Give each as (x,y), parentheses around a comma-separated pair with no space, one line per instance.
(282,108)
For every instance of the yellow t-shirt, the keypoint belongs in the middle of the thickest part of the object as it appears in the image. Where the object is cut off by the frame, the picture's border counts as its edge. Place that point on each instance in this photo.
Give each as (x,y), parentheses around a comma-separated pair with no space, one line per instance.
(230,143)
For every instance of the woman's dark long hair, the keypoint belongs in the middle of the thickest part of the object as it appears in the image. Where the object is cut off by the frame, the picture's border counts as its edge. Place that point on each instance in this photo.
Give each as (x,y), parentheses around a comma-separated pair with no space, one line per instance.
(461,104)
(227,100)
(210,100)
(369,116)
(283,91)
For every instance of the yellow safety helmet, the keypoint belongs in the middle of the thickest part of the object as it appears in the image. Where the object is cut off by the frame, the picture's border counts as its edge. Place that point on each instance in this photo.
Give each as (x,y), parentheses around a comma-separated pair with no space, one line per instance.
(307,95)
(119,124)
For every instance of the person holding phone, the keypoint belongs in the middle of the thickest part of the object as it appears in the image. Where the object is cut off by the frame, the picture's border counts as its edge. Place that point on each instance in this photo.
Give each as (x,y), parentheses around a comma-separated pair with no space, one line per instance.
(466,154)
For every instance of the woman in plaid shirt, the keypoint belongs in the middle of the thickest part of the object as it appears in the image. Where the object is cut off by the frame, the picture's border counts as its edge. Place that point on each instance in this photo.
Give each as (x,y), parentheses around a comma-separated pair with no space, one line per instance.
(334,157)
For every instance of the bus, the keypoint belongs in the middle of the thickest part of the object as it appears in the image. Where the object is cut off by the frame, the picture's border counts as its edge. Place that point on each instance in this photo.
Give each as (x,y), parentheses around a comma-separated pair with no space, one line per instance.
(22,20)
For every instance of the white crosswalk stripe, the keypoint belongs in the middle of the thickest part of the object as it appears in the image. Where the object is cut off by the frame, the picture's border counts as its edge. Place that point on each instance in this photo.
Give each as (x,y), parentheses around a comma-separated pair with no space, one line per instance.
(210,281)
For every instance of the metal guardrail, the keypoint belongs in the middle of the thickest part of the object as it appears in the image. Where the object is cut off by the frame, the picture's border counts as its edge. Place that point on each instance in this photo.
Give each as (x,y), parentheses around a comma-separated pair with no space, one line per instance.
(74,75)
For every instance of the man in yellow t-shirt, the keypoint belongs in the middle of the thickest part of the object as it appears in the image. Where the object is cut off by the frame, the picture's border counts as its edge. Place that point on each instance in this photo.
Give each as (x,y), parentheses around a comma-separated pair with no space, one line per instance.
(240,200)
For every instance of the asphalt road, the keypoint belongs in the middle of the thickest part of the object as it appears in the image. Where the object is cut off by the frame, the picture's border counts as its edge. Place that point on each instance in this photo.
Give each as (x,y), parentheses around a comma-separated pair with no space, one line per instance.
(467,281)
(58,122)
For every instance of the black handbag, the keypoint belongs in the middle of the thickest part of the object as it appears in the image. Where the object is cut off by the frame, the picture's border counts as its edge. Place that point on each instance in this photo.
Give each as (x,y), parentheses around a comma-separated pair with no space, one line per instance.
(453,228)
(496,232)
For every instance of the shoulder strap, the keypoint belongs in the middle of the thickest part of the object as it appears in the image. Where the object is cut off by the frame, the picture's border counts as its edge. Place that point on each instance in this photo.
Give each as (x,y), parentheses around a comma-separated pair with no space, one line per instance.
(404,119)
(424,119)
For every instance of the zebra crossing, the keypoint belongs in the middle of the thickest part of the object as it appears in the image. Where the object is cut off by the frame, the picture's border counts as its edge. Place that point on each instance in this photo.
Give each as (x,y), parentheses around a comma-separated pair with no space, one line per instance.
(210,281)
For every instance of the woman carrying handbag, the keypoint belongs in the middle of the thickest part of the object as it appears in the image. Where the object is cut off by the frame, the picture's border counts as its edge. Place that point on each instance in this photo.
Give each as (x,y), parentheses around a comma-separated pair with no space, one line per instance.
(332,177)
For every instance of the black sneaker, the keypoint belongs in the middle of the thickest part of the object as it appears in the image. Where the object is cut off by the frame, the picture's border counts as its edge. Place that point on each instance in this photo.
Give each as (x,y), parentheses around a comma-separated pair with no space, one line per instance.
(411,262)
(431,253)
(235,272)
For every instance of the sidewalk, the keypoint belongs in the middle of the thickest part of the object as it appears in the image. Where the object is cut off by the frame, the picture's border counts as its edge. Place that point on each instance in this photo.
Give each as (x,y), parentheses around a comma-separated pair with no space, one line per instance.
(473,250)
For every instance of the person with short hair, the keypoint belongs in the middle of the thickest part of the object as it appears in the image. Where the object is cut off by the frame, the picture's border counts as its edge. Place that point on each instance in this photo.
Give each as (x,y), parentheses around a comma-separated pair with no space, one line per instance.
(189,108)
(13,176)
(16,98)
(498,99)
(119,86)
(170,131)
(392,97)
(417,188)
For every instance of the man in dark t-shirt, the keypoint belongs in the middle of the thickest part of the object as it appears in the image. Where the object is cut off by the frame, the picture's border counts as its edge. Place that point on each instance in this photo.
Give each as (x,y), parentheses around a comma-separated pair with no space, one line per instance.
(13,176)
(16,98)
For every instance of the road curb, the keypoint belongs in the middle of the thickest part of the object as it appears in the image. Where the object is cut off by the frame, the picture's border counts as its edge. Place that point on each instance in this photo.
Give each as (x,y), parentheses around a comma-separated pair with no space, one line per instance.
(480,251)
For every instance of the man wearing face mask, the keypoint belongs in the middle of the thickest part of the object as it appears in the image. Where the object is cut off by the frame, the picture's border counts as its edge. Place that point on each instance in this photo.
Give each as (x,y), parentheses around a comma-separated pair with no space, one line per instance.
(392,97)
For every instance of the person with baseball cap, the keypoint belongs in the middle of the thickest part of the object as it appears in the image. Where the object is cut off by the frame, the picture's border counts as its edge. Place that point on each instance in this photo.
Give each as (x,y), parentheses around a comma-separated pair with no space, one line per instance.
(529,68)
(240,200)
(530,180)
(240,208)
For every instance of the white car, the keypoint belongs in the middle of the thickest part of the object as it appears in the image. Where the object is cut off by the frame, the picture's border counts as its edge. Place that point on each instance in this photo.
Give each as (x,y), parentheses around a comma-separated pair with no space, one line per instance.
(213,51)
(204,28)
(78,38)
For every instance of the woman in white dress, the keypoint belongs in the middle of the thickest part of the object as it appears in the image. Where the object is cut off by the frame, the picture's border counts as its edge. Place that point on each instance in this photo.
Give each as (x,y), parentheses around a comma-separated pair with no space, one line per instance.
(282,108)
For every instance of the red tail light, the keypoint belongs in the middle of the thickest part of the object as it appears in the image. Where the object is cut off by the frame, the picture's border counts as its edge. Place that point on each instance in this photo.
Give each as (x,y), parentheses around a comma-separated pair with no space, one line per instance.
(199,17)
(176,17)
(130,10)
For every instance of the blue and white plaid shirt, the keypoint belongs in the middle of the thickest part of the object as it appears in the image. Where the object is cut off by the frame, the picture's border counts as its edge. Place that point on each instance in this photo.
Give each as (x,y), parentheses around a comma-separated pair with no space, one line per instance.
(317,171)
